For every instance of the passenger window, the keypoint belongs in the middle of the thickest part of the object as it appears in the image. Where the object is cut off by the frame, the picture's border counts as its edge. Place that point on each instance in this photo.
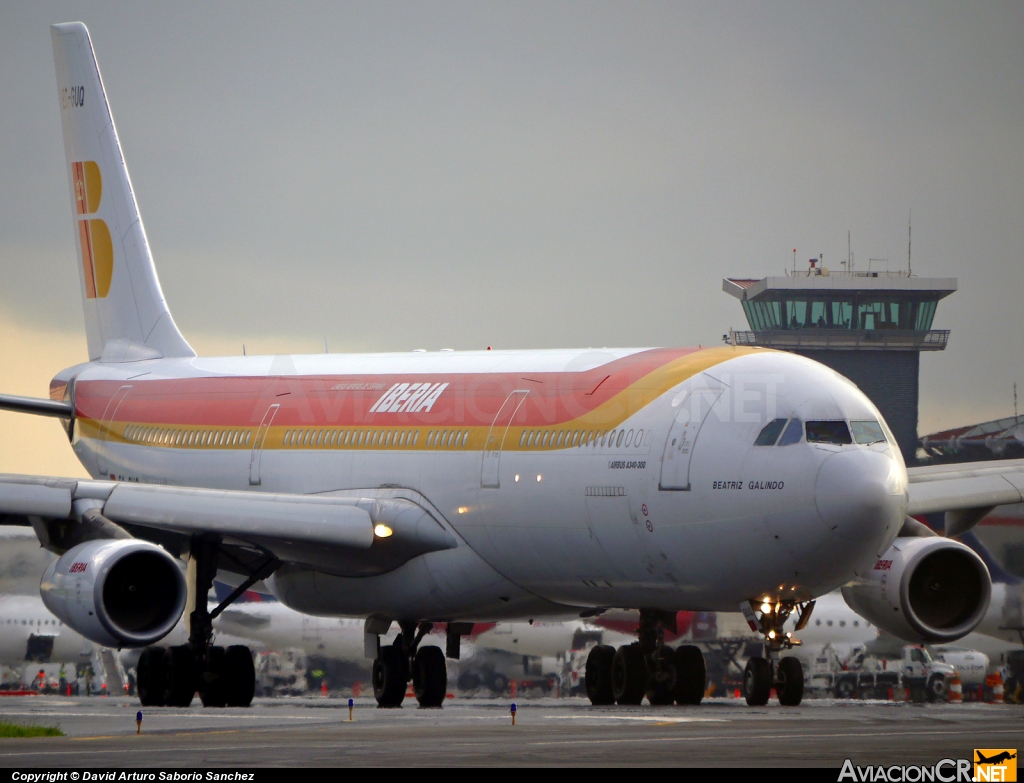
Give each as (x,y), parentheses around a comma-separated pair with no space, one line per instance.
(770,433)
(522,439)
(561,437)
(828,432)
(465,438)
(576,438)
(547,434)
(529,441)
(618,441)
(639,438)
(793,434)
(629,439)
(416,437)
(867,432)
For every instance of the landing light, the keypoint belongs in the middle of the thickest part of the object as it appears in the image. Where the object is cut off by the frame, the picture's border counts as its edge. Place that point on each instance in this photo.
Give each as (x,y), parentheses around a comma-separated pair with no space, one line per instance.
(463,509)
(771,634)
(538,477)
(382,531)
(766,608)
(517,478)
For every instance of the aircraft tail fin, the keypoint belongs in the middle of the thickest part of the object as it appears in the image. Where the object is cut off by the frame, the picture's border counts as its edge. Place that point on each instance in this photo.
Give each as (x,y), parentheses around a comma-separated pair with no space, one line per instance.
(126,316)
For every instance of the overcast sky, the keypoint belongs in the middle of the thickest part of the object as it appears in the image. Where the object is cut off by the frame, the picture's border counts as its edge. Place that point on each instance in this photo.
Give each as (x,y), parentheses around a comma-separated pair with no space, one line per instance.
(403,175)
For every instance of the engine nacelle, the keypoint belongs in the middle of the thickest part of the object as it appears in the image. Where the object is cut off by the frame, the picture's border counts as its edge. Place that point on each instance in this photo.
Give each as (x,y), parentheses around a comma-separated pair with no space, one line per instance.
(123,593)
(923,590)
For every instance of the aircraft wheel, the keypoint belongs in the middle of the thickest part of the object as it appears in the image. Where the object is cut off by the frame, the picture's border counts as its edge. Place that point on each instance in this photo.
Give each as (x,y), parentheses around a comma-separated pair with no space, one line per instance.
(390,675)
(429,676)
(597,678)
(757,681)
(179,676)
(211,681)
(239,676)
(691,674)
(629,674)
(149,677)
(790,687)
(661,683)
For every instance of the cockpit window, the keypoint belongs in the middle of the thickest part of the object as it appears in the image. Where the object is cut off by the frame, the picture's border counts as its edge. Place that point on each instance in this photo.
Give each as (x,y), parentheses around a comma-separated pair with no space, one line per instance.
(770,433)
(867,432)
(828,432)
(794,432)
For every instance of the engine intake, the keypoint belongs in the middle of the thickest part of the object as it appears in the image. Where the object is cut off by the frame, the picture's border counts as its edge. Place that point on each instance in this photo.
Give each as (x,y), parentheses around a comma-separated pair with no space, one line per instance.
(124,593)
(924,590)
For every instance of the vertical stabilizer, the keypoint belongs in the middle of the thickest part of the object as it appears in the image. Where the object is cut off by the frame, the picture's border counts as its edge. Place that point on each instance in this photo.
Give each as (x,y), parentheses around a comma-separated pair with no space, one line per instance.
(126,317)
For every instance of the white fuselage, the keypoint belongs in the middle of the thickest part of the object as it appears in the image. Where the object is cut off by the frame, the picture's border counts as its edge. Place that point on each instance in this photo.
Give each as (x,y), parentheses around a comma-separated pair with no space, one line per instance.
(23,617)
(568,478)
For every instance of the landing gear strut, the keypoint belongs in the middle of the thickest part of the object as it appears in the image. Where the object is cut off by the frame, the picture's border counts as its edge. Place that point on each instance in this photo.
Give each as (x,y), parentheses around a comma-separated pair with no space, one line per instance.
(223,677)
(785,674)
(403,660)
(648,667)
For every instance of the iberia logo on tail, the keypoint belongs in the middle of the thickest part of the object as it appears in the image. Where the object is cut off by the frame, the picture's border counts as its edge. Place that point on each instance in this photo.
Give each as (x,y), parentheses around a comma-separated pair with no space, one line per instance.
(93,234)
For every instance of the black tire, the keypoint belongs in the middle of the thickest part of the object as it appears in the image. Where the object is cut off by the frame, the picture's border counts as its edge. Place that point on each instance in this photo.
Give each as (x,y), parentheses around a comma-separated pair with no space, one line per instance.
(149,677)
(429,676)
(597,678)
(390,675)
(846,688)
(238,676)
(757,681)
(469,681)
(790,688)
(179,676)
(211,680)
(661,683)
(691,674)
(498,683)
(629,675)
(938,688)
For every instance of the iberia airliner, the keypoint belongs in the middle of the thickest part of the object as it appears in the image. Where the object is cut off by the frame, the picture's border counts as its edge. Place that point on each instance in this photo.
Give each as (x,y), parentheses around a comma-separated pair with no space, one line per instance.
(456,487)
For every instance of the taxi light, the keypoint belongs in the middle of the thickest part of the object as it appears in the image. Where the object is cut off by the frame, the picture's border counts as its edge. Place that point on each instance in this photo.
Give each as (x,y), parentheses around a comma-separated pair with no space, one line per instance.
(771,634)
(382,531)
(463,509)
(766,608)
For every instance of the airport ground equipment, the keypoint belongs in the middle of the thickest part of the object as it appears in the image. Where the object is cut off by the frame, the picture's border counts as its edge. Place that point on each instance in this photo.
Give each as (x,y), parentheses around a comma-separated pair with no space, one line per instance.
(874,676)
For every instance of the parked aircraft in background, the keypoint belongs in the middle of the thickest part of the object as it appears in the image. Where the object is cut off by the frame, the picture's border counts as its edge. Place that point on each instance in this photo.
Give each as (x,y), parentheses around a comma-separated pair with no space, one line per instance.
(461,487)
(30,633)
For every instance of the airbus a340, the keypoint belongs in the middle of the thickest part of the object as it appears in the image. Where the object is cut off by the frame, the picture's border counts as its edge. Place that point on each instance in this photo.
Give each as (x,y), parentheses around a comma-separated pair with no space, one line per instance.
(415,488)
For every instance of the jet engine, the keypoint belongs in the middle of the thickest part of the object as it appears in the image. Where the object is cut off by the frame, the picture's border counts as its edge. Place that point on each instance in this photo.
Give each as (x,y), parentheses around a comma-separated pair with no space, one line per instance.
(116,593)
(923,590)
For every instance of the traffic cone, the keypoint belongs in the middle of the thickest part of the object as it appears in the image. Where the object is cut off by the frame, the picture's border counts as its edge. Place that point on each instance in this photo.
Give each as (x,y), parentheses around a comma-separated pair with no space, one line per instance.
(997,688)
(956,689)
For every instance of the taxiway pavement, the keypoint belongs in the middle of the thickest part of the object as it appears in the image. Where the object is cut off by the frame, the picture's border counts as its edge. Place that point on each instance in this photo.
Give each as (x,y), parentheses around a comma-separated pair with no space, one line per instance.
(314,732)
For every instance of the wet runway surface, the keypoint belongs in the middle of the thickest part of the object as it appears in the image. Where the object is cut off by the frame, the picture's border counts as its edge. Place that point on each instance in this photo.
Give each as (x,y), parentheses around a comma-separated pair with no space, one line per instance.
(315,732)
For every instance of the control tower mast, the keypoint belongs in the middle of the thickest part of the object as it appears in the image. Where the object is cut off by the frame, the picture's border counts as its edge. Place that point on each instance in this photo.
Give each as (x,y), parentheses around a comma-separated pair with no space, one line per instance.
(869,326)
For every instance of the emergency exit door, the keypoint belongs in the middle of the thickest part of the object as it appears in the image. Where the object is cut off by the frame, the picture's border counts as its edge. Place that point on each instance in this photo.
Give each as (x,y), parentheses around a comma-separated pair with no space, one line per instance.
(694,408)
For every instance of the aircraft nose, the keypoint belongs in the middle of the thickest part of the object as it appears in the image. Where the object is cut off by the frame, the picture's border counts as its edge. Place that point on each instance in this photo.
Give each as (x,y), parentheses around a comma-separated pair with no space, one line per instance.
(861,495)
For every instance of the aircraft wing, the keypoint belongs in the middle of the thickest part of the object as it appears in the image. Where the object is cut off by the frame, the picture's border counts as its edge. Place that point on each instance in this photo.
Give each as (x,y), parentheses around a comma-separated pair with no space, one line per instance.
(966,492)
(345,534)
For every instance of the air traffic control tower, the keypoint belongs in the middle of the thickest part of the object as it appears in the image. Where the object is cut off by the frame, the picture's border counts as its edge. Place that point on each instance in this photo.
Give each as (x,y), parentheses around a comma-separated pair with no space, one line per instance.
(869,326)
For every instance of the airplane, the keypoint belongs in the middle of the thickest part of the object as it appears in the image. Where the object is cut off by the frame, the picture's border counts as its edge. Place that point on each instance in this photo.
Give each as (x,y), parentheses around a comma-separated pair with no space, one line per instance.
(30,633)
(999,757)
(462,486)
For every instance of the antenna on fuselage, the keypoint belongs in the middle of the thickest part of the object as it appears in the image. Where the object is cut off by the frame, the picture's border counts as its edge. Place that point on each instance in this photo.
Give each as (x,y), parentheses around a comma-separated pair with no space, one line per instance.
(326,349)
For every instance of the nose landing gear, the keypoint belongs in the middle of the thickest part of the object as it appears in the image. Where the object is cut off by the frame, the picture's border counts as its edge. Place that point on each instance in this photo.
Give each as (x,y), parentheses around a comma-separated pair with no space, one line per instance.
(785,674)
(648,667)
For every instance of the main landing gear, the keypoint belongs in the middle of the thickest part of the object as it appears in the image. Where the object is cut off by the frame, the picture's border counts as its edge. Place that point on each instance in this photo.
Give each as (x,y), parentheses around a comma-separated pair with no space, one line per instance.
(786,675)
(171,676)
(648,667)
(405,660)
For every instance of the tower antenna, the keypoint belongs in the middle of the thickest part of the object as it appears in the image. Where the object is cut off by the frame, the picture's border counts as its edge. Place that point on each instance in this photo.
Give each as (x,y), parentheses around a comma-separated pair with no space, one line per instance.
(910,220)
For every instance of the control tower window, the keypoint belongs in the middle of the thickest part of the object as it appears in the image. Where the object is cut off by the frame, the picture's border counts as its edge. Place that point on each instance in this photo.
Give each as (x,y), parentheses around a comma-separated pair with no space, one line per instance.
(867,432)
(793,434)
(828,432)
(770,433)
